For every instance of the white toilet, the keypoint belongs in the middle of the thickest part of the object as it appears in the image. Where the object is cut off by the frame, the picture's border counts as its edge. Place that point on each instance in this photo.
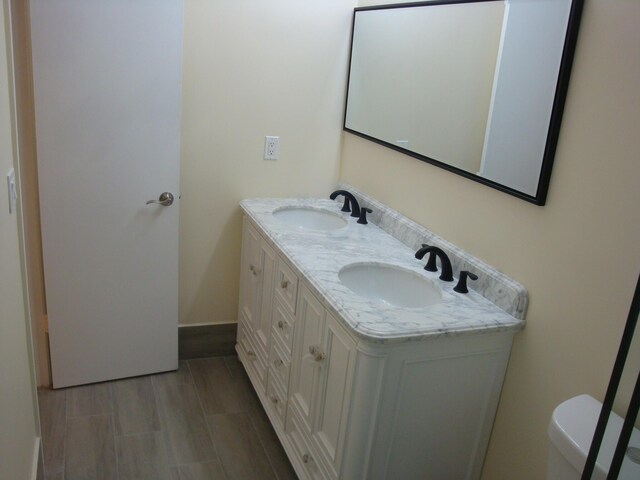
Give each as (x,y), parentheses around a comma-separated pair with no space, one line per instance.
(571,429)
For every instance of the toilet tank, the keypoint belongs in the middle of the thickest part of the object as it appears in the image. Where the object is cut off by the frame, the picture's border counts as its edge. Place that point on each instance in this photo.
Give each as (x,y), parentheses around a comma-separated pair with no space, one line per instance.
(570,433)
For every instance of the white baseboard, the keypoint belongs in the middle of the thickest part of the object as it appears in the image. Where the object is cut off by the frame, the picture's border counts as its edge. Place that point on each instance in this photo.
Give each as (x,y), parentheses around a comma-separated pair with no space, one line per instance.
(36,458)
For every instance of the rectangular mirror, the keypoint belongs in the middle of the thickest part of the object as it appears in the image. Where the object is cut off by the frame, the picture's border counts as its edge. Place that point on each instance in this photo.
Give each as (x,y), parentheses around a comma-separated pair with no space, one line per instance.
(474,86)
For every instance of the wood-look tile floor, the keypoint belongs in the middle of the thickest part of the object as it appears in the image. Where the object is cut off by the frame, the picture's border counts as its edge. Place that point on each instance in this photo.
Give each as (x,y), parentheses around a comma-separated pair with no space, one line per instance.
(201,422)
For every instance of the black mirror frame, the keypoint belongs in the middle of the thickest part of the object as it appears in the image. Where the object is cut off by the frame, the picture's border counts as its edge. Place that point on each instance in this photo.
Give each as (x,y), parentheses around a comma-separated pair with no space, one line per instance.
(553,133)
(607,404)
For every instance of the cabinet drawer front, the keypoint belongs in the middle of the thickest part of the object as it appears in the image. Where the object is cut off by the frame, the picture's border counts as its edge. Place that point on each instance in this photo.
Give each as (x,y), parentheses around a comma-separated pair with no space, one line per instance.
(279,365)
(283,324)
(303,453)
(276,399)
(286,287)
(254,363)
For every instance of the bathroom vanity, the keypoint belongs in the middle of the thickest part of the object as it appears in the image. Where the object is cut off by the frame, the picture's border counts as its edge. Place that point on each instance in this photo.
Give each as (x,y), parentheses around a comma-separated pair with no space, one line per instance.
(358,385)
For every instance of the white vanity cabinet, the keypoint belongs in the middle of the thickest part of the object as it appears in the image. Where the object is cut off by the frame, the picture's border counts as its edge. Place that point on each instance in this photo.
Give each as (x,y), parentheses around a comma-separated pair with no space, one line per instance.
(347,408)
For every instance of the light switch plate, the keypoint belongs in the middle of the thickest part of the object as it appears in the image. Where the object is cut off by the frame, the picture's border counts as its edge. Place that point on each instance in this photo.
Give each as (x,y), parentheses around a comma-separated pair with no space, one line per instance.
(11,190)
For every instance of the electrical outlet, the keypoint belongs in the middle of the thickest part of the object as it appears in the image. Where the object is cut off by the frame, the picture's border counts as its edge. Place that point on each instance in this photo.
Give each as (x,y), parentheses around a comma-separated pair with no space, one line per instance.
(271,147)
(11,189)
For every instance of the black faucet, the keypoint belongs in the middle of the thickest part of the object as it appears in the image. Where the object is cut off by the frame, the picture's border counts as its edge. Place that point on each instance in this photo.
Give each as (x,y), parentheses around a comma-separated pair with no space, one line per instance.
(447,271)
(431,263)
(461,287)
(349,199)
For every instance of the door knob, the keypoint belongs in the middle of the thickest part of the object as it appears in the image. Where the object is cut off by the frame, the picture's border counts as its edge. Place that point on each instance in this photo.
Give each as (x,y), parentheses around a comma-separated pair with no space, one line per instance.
(164,199)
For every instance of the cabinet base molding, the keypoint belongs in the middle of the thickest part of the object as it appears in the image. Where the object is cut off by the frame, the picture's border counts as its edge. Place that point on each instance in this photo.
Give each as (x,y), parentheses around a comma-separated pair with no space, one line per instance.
(198,341)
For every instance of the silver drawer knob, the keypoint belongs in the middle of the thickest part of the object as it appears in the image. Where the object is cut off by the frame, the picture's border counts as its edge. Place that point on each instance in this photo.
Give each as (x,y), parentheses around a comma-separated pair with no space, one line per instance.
(317,354)
(251,354)
(281,324)
(284,284)
(274,399)
(254,270)
(278,363)
(306,458)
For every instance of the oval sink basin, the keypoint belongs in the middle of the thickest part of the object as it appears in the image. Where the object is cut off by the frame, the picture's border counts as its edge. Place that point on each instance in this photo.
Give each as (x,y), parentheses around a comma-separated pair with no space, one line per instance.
(310,219)
(390,285)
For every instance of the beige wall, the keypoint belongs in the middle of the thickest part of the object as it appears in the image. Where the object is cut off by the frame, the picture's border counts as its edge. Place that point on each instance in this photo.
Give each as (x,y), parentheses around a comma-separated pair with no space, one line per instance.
(18,417)
(578,256)
(251,69)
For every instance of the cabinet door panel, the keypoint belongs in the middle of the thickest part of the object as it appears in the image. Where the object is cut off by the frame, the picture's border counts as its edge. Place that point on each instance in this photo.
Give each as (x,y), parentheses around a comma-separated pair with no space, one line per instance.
(268,261)
(333,404)
(303,454)
(306,369)
(250,278)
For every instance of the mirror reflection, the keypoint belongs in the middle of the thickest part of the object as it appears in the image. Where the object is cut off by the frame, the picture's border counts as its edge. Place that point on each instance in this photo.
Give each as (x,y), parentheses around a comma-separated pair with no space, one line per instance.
(469,86)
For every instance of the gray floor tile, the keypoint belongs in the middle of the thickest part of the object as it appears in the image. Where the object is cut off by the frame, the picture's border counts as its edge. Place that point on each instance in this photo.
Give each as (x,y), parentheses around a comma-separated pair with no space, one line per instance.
(90,451)
(52,422)
(171,379)
(236,369)
(80,424)
(183,425)
(273,448)
(88,400)
(240,450)
(142,457)
(219,391)
(199,471)
(134,406)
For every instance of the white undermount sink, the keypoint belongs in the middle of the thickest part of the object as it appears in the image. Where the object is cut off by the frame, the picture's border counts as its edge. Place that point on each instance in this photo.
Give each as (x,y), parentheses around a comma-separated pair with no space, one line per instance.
(390,285)
(310,219)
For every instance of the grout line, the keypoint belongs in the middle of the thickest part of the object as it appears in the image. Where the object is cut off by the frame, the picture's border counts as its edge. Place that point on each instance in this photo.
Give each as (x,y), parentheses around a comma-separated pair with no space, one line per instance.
(113,430)
(188,464)
(252,413)
(64,438)
(160,432)
(215,448)
(226,364)
(252,423)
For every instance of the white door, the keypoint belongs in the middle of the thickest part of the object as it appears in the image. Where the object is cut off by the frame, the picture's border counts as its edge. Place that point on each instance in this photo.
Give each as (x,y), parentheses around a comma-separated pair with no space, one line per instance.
(107,79)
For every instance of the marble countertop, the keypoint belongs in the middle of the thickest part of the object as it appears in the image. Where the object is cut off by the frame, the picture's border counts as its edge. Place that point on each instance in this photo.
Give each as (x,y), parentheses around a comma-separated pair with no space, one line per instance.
(318,256)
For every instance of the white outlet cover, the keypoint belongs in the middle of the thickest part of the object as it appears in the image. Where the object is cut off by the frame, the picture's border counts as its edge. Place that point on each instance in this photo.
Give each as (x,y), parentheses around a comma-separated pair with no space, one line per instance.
(271,147)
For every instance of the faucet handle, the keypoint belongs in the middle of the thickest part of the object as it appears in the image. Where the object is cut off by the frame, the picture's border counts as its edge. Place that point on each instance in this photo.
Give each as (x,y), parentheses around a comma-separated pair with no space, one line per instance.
(461,287)
(363,215)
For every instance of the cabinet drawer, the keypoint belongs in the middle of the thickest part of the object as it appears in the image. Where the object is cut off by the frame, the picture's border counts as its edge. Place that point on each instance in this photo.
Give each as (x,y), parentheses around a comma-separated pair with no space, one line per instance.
(276,399)
(286,286)
(303,453)
(283,324)
(279,365)
(255,364)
